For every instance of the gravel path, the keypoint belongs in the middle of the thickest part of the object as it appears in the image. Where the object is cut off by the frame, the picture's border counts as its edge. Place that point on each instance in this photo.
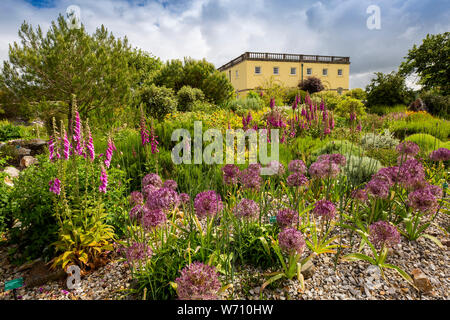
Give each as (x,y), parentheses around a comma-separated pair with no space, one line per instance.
(355,280)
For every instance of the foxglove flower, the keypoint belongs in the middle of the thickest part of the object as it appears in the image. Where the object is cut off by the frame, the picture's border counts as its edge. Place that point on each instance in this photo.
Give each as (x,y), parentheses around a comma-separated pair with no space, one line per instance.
(291,241)
(90,146)
(103,181)
(109,152)
(287,218)
(272,103)
(198,281)
(382,233)
(66,146)
(324,209)
(77,134)
(51,149)
(246,208)
(55,186)
(153,142)
(145,136)
(207,204)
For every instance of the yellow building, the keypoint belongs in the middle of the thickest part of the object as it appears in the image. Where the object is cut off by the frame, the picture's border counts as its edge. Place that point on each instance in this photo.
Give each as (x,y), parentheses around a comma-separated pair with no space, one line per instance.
(253,69)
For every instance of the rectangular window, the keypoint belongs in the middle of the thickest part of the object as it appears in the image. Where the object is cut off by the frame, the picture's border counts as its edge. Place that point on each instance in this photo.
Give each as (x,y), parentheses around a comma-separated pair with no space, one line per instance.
(276,70)
(257,70)
(293,70)
(339,72)
(325,72)
(309,71)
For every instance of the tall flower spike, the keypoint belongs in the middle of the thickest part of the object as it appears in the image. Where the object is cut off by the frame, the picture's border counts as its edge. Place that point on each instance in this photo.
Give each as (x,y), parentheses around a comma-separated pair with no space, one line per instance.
(77,137)
(51,149)
(90,144)
(103,181)
(66,146)
(144,132)
(109,152)
(153,142)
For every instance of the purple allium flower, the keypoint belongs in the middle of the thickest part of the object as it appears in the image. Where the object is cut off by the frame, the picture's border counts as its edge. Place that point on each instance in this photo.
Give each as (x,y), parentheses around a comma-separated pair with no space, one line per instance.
(146,190)
(153,179)
(424,199)
(411,172)
(254,167)
(291,241)
(287,218)
(55,186)
(441,154)
(138,251)
(378,188)
(137,212)
(250,178)
(198,281)
(324,209)
(323,169)
(297,166)
(103,181)
(66,146)
(153,218)
(162,198)
(230,174)
(360,195)
(408,147)
(136,198)
(171,184)
(207,203)
(246,208)
(387,174)
(296,180)
(382,233)
(109,152)
(336,158)
(403,158)
(275,167)
(184,198)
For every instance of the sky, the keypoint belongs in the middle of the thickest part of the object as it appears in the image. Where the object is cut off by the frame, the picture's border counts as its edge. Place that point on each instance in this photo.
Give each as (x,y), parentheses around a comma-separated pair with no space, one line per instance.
(221,30)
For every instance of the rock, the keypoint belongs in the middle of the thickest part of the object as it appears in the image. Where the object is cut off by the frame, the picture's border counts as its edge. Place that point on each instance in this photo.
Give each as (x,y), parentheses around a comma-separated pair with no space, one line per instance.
(8,181)
(28,161)
(12,172)
(308,269)
(37,146)
(22,152)
(422,281)
(374,272)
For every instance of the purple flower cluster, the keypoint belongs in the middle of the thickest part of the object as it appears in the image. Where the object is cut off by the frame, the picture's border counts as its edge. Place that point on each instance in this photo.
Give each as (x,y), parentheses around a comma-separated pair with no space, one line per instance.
(103,181)
(230,174)
(411,173)
(55,186)
(275,167)
(296,180)
(136,198)
(207,203)
(184,198)
(408,147)
(109,152)
(336,158)
(171,184)
(153,179)
(324,209)
(137,212)
(287,218)
(441,154)
(297,166)
(323,169)
(77,134)
(360,195)
(198,281)
(250,178)
(153,218)
(246,208)
(66,146)
(51,149)
(90,146)
(291,241)
(382,233)
(378,188)
(162,198)
(138,251)
(425,199)
(148,189)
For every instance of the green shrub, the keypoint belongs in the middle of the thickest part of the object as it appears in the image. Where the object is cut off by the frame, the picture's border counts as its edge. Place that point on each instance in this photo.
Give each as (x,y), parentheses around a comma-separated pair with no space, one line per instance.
(379,141)
(383,109)
(360,169)
(5,190)
(339,146)
(427,142)
(243,105)
(387,157)
(9,132)
(158,101)
(356,93)
(348,105)
(187,96)
(436,104)
(388,89)
(420,123)
(331,98)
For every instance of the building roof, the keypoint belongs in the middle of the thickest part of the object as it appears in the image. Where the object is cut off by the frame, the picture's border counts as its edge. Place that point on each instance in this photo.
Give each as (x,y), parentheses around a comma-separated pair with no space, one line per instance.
(285,57)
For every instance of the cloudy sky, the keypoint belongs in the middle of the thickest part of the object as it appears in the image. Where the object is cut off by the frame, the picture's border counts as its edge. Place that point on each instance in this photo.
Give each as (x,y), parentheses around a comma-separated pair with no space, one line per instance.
(220,30)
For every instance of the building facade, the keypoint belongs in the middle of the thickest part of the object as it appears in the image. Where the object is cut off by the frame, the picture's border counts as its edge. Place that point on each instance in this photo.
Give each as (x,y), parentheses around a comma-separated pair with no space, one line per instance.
(252,70)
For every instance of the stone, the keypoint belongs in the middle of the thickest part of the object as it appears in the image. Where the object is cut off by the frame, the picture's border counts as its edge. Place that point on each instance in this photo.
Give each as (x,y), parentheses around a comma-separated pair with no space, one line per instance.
(37,146)
(12,172)
(22,152)
(422,281)
(28,161)
(308,269)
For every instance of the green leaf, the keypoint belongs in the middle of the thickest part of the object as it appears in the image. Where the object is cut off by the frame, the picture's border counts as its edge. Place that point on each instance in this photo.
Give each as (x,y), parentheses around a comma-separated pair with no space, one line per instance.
(273,279)
(401,272)
(358,256)
(434,239)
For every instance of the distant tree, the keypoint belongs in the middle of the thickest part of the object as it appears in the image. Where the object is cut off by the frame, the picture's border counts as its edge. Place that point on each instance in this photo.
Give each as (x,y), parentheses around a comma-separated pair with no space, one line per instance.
(388,89)
(311,85)
(48,70)
(158,101)
(431,62)
(199,74)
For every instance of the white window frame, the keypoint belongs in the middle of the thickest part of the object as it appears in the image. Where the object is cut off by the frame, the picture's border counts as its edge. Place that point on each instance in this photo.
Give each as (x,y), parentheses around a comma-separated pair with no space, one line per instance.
(278,71)
(325,72)
(260,70)
(295,71)
(342,73)
(308,71)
